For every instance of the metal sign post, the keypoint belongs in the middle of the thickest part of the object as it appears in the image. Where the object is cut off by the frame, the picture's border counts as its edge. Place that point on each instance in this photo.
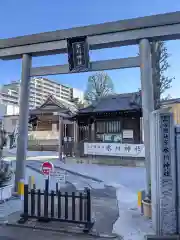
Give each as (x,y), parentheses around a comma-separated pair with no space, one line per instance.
(47,168)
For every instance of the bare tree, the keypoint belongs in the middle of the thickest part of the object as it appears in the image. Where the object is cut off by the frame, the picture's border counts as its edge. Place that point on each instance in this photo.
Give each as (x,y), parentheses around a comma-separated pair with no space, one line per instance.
(160,65)
(99,85)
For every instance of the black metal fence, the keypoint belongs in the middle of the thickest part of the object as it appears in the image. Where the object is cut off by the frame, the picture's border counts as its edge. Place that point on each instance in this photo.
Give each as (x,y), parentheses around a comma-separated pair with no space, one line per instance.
(48,206)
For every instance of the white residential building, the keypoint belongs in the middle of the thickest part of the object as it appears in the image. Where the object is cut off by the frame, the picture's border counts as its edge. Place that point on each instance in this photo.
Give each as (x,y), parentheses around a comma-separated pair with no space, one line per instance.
(9,115)
(40,89)
(77,93)
(9,95)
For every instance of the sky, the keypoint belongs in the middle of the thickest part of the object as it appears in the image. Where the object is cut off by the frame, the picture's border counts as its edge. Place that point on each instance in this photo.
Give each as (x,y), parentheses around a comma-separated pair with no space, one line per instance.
(20,17)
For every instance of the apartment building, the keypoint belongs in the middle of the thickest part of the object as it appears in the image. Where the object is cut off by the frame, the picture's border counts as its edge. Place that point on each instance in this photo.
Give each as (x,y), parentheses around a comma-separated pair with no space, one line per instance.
(40,89)
(9,94)
(77,93)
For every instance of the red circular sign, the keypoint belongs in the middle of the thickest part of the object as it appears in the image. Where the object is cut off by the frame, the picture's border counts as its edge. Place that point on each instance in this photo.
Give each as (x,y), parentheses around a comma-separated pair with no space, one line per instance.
(47,168)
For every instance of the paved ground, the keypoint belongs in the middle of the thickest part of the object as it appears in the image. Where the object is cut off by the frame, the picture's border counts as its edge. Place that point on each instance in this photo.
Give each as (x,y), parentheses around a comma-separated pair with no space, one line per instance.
(104,214)
(15,233)
(131,177)
(74,182)
(104,203)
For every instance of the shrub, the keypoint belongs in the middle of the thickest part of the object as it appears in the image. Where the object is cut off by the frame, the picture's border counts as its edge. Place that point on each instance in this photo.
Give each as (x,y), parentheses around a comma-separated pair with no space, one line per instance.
(6,173)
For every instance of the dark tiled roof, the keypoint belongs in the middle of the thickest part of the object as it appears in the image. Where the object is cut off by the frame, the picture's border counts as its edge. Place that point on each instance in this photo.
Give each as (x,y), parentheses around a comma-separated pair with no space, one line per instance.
(170,101)
(117,102)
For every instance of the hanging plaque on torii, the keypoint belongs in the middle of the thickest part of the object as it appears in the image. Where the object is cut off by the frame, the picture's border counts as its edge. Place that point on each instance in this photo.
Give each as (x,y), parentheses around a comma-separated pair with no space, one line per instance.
(78,54)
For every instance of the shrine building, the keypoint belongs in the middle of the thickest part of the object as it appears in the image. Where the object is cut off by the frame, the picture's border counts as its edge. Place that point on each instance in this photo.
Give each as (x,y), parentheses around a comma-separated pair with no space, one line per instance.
(114,122)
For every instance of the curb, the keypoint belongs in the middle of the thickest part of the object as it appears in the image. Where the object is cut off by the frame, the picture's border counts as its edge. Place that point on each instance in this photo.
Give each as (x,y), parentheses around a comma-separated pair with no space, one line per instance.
(70,171)
(76,173)
(63,231)
(42,228)
(80,174)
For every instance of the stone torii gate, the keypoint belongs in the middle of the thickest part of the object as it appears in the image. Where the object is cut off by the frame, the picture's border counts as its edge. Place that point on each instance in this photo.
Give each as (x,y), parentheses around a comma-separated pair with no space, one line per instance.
(114,34)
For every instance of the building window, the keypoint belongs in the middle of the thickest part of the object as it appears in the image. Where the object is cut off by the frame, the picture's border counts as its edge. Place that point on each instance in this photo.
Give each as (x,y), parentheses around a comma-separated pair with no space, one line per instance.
(108,126)
(108,131)
(63,91)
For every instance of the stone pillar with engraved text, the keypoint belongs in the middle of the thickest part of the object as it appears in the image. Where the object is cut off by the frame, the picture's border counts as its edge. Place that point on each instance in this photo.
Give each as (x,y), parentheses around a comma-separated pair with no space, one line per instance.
(163,173)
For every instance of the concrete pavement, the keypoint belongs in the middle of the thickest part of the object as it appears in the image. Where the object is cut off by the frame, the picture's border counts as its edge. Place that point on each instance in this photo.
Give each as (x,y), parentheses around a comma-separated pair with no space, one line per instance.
(104,203)
(15,233)
(75,182)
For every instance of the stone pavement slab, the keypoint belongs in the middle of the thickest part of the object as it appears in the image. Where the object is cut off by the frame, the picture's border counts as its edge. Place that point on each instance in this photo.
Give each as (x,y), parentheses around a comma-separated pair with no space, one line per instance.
(9,207)
(105,213)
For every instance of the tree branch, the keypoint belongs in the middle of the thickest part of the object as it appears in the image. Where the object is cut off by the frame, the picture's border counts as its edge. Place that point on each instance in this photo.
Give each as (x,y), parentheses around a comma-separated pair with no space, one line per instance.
(99,85)
(160,66)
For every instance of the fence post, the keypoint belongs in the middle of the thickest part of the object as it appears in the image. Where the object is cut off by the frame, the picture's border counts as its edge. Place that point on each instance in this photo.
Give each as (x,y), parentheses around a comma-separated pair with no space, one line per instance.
(46,204)
(88,205)
(141,196)
(89,223)
(80,206)
(57,187)
(31,182)
(52,204)
(85,204)
(73,206)
(66,205)
(32,192)
(58,194)
(26,204)
(39,203)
